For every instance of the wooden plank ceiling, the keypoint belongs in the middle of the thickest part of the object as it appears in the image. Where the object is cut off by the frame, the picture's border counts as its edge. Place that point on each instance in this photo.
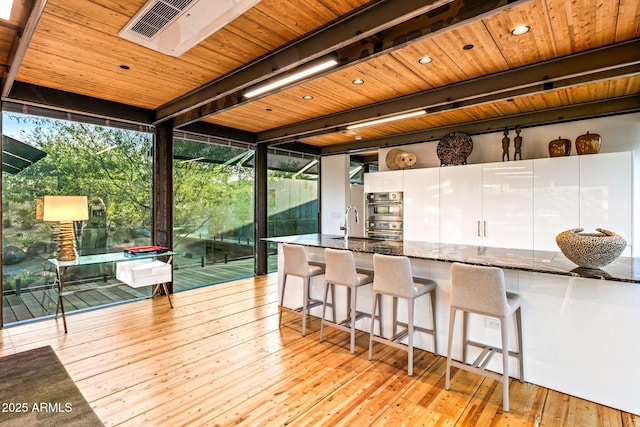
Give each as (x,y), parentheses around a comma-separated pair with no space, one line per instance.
(74,48)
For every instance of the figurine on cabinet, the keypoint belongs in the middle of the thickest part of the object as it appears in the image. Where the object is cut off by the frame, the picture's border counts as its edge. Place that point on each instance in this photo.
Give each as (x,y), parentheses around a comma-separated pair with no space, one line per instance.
(505,144)
(518,144)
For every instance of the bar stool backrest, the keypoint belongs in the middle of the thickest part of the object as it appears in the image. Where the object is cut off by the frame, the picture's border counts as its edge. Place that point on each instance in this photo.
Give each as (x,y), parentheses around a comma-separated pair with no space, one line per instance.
(340,267)
(295,260)
(392,275)
(478,288)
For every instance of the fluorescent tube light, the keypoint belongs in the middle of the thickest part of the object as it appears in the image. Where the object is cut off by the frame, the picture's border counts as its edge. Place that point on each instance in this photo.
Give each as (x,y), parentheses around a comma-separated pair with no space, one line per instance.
(5,9)
(292,78)
(387,119)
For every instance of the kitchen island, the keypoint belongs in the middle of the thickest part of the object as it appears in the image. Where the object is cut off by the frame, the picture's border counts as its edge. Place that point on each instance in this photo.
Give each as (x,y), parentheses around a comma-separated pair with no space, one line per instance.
(580,326)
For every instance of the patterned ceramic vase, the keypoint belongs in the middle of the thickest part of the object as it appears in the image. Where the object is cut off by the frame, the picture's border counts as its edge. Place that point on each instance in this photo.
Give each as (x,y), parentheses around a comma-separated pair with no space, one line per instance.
(589,143)
(559,147)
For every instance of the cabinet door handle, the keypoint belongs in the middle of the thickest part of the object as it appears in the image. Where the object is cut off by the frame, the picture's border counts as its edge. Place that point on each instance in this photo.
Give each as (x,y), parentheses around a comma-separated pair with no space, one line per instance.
(485,228)
(479,229)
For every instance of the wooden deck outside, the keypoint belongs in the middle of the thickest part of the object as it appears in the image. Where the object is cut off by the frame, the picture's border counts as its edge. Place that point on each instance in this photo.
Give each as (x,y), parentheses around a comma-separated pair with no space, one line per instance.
(34,304)
(219,358)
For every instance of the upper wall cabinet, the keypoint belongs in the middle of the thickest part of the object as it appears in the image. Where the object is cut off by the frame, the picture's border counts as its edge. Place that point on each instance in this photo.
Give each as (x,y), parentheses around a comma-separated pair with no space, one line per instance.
(606,197)
(588,191)
(421,204)
(519,204)
(461,204)
(556,206)
(383,181)
(487,205)
(507,204)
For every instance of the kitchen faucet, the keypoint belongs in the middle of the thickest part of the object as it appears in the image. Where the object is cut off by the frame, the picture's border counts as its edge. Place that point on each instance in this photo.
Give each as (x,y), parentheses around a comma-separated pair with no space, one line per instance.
(346,220)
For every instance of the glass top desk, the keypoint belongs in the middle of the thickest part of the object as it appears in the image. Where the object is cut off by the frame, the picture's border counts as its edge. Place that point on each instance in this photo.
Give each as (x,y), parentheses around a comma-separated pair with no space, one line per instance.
(116,257)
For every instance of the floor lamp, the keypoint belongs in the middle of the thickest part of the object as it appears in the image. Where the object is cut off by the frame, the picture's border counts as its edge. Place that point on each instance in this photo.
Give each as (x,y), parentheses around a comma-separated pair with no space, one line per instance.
(65,210)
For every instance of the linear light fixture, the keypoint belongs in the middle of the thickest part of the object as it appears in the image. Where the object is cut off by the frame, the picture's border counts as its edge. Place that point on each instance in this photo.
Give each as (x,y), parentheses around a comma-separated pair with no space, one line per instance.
(324,65)
(387,119)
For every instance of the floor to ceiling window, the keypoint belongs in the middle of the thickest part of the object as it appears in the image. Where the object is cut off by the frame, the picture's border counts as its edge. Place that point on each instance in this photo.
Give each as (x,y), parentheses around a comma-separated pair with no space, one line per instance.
(111,166)
(292,197)
(213,213)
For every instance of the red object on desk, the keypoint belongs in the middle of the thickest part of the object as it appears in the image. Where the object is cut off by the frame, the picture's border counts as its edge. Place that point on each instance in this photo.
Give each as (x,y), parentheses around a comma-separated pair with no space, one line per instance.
(145,250)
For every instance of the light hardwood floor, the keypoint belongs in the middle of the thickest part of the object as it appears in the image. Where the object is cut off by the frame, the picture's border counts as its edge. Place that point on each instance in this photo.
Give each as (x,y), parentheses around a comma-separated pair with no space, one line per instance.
(219,358)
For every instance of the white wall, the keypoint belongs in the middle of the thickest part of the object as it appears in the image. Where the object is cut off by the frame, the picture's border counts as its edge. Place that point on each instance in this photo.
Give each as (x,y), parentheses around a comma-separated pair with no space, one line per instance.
(334,192)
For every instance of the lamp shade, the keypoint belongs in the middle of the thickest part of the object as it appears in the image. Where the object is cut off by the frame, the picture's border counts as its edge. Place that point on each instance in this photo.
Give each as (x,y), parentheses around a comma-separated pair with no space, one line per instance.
(65,208)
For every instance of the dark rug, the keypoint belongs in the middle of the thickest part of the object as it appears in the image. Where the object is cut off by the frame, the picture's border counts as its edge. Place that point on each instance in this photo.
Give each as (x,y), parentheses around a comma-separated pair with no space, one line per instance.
(36,390)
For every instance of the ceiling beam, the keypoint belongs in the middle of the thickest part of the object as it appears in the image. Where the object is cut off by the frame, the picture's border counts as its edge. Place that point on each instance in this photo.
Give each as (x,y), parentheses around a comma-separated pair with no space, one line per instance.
(613,61)
(220,132)
(373,30)
(19,49)
(39,96)
(602,108)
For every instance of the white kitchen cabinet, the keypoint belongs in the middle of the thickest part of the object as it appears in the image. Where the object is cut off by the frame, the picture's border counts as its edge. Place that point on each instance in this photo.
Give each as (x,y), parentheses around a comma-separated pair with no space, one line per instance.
(487,205)
(606,195)
(375,182)
(588,191)
(507,204)
(556,196)
(519,204)
(461,204)
(421,204)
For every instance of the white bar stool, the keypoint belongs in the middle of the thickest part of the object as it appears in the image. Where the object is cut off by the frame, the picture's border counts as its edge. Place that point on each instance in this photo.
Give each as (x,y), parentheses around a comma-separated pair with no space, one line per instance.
(392,276)
(341,270)
(296,264)
(481,290)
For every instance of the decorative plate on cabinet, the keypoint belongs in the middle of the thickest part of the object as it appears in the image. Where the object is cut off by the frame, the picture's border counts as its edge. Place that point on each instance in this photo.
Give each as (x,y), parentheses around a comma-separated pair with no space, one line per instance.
(454,148)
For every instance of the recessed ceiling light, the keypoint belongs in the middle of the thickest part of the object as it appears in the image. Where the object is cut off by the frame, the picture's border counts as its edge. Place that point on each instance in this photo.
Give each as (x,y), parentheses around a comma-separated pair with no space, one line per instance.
(467,47)
(358,82)
(520,30)
(425,60)
(307,97)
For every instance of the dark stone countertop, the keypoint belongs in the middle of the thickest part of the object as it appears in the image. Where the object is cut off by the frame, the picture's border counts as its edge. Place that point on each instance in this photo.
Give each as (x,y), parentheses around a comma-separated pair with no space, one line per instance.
(623,269)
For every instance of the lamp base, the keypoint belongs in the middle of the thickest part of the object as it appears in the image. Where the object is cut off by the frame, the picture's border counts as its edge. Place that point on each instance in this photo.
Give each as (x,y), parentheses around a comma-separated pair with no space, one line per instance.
(67,245)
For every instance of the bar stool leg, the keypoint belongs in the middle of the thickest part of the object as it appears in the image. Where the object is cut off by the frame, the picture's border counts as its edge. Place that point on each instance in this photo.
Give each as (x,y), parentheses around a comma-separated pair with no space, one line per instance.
(352,302)
(465,327)
(284,285)
(305,304)
(374,305)
(324,311)
(410,304)
(520,347)
(505,363)
(394,317)
(432,295)
(452,317)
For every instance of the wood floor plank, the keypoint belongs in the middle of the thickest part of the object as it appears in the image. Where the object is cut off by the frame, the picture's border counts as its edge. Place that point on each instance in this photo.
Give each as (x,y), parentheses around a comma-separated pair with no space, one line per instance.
(221,358)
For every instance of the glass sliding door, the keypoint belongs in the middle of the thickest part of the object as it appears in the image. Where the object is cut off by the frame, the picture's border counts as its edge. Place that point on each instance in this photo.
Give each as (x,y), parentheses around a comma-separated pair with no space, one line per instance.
(292,198)
(213,213)
(111,166)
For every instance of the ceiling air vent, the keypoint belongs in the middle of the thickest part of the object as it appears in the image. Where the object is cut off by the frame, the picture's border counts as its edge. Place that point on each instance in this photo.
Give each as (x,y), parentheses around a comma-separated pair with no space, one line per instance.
(174,26)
